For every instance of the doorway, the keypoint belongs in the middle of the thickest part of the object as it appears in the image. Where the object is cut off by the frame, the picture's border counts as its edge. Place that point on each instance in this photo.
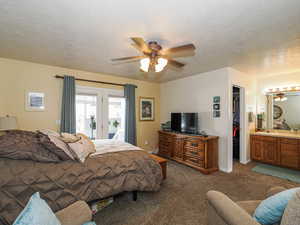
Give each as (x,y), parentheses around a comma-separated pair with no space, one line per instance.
(100,112)
(236,122)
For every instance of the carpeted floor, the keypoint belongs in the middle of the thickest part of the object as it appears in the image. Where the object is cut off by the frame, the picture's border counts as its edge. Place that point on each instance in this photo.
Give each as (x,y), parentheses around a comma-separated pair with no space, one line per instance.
(181,200)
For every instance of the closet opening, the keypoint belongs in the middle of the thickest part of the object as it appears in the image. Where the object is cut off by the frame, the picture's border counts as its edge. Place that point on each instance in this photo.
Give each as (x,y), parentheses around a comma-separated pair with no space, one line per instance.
(236,120)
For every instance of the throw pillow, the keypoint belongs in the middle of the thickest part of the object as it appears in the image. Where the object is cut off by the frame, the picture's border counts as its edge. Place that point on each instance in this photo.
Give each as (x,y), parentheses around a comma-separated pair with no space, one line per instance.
(82,148)
(90,223)
(55,146)
(49,132)
(271,209)
(62,145)
(37,212)
(291,215)
(69,138)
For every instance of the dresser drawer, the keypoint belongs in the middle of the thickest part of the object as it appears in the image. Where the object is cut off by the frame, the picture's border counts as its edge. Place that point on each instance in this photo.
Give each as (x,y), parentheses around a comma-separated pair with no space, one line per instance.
(193,143)
(165,138)
(195,153)
(289,141)
(194,160)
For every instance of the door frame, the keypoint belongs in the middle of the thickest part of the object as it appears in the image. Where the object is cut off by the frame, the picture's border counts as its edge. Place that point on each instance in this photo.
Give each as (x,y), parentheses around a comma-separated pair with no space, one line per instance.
(102,105)
(243,127)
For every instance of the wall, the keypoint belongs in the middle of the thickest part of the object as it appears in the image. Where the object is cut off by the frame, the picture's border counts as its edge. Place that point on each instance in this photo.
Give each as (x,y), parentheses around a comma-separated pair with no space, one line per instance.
(195,94)
(18,76)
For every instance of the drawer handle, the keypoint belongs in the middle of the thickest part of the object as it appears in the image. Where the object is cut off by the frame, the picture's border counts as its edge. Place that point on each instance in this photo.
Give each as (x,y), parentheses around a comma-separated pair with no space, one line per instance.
(194,153)
(193,160)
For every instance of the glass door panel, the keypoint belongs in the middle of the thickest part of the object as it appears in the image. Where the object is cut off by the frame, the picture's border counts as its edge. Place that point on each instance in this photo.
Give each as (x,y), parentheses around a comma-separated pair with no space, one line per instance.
(86,115)
(116,118)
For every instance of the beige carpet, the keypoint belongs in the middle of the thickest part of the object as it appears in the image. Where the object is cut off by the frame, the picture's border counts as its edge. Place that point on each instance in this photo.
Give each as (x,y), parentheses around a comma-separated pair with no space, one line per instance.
(181,200)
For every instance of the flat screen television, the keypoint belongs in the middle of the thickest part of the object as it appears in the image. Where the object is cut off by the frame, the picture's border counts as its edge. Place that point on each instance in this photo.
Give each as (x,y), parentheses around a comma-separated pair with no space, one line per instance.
(184,122)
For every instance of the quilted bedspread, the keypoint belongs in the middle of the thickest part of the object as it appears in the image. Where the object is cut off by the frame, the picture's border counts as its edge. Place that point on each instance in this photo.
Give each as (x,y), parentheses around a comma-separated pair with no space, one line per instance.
(63,183)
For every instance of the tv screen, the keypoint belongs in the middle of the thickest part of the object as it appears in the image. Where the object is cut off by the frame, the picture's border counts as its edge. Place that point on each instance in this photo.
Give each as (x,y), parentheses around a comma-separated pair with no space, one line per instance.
(184,122)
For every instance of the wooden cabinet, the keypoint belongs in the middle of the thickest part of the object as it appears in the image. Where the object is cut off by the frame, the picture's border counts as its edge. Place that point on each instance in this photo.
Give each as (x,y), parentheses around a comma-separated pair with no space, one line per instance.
(289,153)
(276,150)
(196,151)
(256,149)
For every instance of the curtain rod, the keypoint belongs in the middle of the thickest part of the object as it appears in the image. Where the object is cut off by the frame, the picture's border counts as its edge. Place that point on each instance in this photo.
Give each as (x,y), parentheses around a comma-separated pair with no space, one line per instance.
(92,81)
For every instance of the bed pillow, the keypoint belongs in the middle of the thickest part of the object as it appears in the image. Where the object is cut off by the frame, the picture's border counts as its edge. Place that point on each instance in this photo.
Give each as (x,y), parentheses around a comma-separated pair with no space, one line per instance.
(270,210)
(69,138)
(37,212)
(49,132)
(25,145)
(82,148)
(63,146)
(291,215)
(54,145)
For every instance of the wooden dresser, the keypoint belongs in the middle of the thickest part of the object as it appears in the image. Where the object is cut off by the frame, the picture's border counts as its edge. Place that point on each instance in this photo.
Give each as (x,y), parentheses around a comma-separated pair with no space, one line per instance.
(198,152)
(274,150)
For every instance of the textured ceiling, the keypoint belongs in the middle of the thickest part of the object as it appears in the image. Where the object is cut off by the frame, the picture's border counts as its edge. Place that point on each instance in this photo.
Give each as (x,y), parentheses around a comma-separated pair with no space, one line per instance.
(254,36)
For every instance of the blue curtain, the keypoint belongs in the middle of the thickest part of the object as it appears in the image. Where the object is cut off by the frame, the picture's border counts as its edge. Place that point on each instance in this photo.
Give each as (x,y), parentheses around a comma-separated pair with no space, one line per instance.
(68,112)
(130,124)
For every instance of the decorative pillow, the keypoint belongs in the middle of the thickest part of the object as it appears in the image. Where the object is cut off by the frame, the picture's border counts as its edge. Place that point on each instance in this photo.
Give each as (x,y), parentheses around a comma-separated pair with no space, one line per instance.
(83,147)
(271,209)
(90,223)
(37,212)
(57,147)
(63,146)
(25,145)
(69,138)
(49,132)
(291,215)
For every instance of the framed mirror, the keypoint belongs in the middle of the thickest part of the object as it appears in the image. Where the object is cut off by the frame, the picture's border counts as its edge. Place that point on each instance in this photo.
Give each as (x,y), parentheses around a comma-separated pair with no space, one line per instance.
(283,110)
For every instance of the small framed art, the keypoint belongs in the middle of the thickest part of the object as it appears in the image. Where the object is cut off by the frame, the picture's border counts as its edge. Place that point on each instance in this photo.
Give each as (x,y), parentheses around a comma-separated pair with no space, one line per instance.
(146,109)
(217,99)
(216,106)
(34,101)
(217,114)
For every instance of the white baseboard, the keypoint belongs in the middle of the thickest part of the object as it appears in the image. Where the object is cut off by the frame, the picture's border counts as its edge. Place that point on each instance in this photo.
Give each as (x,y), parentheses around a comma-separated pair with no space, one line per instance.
(226,170)
(245,162)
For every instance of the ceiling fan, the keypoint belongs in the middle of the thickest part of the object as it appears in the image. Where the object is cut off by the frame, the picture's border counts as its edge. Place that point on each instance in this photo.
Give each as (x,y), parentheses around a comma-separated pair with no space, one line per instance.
(155,58)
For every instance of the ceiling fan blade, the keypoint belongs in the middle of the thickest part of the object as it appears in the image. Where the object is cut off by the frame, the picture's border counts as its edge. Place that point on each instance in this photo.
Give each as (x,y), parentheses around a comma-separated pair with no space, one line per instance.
(140,44)
(180,50)
(174,63)
(128,58)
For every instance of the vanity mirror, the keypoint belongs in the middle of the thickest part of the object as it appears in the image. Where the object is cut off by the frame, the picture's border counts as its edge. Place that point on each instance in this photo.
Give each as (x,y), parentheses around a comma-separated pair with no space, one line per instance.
(283,109)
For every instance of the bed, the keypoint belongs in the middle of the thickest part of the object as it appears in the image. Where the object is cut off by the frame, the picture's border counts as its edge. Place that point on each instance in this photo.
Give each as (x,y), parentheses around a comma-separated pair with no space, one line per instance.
(105,173)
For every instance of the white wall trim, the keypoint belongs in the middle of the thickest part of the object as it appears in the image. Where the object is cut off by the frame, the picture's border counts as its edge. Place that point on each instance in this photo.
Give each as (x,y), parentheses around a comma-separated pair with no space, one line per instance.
(245,162)
(243,129)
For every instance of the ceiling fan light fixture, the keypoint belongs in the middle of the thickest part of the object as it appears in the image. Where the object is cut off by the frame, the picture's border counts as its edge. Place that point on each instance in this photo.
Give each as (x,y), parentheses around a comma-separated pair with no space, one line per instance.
(145,63)
(161,63)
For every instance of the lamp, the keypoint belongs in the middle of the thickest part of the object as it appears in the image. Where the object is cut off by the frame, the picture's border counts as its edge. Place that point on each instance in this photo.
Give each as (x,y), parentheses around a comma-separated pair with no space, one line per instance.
(161,63)
(159,66)
(145,64)
(8,123)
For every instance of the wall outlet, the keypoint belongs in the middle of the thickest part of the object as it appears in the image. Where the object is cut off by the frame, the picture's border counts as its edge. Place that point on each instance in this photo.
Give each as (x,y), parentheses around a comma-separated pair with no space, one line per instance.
(146,142)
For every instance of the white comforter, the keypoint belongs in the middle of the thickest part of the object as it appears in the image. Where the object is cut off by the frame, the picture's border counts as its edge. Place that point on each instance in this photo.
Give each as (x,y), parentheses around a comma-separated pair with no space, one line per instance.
(110,145)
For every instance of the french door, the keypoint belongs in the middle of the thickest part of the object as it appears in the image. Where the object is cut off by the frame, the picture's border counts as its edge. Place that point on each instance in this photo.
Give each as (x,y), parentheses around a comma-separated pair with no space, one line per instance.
(100,112)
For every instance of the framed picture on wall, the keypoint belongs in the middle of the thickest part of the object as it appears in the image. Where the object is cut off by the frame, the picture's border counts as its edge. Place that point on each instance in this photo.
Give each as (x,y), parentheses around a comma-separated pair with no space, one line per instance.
(34,101)
(146,109)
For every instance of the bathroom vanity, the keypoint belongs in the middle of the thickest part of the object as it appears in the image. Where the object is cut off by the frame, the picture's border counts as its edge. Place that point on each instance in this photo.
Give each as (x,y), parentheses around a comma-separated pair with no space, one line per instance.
(276,148)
